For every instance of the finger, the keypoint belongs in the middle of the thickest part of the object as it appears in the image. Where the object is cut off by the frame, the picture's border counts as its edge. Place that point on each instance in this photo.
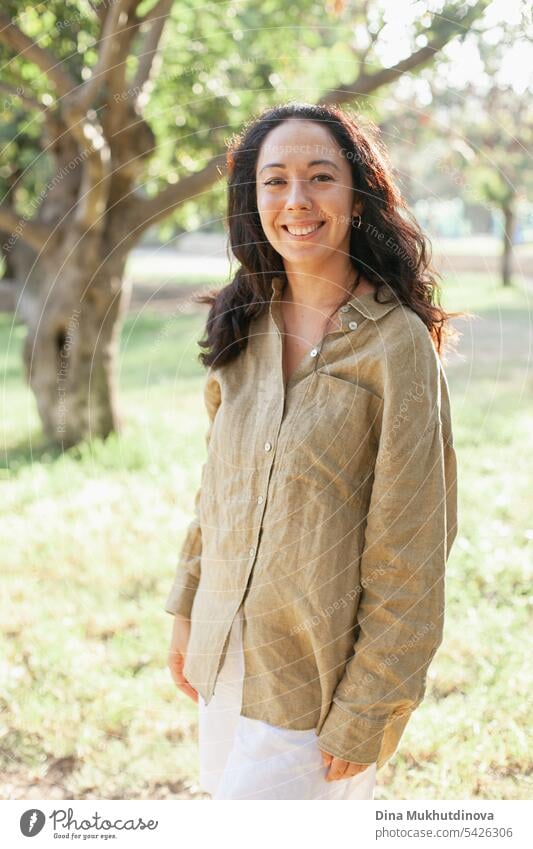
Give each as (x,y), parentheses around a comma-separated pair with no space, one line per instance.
(181,682)
(337,769)
(186,688)
(352,771)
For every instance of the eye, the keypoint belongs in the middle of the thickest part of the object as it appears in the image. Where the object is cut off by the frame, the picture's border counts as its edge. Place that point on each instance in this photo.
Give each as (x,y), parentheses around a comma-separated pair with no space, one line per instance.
(321,177)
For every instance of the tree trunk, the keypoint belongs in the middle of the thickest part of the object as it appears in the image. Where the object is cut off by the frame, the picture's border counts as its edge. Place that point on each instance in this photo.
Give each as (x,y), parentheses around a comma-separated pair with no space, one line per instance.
(507,253)
(72,345)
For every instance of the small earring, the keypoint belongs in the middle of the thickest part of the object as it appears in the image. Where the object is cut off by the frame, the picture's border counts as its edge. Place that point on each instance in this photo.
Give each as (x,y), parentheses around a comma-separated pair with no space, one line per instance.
(358,225)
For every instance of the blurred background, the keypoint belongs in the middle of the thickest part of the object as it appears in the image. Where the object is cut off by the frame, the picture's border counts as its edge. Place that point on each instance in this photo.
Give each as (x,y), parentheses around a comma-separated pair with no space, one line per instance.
(115,118)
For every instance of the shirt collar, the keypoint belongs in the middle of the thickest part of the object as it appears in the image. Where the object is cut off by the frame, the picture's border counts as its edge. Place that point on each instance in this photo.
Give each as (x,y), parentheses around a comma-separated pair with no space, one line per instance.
(364,304)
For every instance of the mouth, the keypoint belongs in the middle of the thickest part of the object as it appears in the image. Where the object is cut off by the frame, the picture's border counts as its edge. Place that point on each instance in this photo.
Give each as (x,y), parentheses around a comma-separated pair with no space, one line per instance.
(301,232)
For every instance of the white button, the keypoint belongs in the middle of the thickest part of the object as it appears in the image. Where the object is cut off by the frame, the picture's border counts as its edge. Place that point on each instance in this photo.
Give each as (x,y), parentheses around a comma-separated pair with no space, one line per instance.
(251,552)
(352,325)
(259,499)
(268,446)
(345,308)
(314,352)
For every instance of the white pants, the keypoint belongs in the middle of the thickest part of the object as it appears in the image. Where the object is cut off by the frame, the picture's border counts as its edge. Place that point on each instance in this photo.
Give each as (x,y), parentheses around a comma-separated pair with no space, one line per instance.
(243,758)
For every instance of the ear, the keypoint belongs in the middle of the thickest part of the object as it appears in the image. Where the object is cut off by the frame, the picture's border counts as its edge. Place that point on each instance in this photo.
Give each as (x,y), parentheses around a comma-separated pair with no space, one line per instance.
(358,208)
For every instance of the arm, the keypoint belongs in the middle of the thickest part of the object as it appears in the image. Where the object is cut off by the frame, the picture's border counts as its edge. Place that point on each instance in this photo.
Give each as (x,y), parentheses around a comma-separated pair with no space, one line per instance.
(411,525)
(181,596)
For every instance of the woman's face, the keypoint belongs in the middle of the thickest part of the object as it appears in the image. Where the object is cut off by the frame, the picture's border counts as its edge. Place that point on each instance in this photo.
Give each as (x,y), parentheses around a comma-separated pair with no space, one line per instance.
(304,183)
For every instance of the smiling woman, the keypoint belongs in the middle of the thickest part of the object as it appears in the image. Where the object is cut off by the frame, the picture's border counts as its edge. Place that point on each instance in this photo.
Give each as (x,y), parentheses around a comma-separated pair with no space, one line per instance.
(309,199)
(309,597)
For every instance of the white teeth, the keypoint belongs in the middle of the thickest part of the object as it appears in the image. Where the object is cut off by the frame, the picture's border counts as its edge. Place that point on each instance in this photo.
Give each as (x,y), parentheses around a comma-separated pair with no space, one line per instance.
(303,231)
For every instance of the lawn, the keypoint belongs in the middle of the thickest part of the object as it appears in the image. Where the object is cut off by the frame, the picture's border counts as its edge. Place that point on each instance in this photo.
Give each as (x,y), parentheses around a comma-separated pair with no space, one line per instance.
(89,545)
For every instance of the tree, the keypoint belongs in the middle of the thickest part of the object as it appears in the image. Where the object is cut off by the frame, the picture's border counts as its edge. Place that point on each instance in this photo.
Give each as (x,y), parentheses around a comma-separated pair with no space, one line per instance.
(487,128)
(492,157)
(89,71)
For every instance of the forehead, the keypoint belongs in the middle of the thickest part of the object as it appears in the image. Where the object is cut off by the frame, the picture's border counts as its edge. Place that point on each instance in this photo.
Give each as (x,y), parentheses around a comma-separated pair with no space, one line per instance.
(297,141)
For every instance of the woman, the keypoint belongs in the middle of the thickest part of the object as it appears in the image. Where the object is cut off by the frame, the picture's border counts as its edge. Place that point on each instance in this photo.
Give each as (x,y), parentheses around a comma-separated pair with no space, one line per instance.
(309,596)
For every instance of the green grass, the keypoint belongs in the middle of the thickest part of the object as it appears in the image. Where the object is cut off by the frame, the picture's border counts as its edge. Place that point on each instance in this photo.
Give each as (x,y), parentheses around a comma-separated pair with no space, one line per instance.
(88,551)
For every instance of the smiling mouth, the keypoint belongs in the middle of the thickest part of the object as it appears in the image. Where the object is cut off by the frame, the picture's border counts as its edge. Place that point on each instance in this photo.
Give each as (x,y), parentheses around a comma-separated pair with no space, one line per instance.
(303,230)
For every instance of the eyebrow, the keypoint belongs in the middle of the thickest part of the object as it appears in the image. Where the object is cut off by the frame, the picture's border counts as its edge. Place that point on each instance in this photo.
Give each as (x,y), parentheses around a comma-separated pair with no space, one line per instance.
(309,164)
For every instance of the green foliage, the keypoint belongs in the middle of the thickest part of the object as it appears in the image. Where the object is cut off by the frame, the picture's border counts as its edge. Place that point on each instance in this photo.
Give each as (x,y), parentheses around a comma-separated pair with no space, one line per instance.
(218,69)
(62,27)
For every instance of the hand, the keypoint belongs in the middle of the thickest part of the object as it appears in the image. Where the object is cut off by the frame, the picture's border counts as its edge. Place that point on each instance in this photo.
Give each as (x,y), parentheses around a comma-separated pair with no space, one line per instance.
(339,769)
(177,653)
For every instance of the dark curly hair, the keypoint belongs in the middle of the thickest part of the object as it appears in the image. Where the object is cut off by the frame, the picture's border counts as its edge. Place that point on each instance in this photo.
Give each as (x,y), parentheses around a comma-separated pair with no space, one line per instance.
(400,256)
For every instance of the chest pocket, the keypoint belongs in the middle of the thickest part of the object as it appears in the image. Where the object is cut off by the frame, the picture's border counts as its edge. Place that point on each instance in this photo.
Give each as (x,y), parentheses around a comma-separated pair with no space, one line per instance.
(330,436)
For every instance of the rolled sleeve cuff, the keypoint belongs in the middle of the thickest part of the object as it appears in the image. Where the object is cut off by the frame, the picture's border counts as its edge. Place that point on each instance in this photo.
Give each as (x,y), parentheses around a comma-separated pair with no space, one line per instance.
(181,597)
(351,737)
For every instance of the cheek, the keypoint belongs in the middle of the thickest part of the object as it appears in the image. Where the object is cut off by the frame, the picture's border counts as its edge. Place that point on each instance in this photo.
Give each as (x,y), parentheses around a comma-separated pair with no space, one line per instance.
(339,203)
(267,208)
(338,207)
(264,201)
(267,203)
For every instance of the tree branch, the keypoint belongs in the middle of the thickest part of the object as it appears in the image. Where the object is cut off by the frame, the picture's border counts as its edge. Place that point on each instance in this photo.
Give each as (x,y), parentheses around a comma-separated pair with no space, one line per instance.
(117,98)
(85,95)
(151,210)
(55,126)
(32,232)
(367,83)
(18,93)
(101,10)
(374,36)
(13,37)
(156,20)
(156,11)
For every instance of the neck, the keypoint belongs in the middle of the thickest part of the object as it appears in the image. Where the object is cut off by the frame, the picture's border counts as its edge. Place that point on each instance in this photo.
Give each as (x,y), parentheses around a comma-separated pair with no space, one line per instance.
(319,290)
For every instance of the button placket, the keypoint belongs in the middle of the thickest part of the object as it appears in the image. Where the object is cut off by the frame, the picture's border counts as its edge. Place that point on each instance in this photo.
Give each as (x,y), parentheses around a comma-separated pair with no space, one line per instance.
(315,355)
(269,448)
(252,554)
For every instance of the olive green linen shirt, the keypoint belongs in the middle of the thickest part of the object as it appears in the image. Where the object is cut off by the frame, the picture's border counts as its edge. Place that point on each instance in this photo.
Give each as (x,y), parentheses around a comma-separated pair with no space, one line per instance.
(328,509)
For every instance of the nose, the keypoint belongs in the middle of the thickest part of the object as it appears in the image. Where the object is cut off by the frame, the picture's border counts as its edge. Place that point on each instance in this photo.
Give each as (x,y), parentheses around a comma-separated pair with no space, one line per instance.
(298,195)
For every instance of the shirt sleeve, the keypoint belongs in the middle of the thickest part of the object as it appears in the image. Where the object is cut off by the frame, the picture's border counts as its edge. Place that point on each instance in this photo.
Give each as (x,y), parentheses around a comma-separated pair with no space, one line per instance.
(181,596)
(411,526)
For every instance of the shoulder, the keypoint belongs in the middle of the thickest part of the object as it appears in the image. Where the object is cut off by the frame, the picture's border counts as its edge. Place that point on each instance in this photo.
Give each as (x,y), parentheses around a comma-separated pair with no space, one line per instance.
(392,326)
(403,329)
(408,360)
(406,341)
